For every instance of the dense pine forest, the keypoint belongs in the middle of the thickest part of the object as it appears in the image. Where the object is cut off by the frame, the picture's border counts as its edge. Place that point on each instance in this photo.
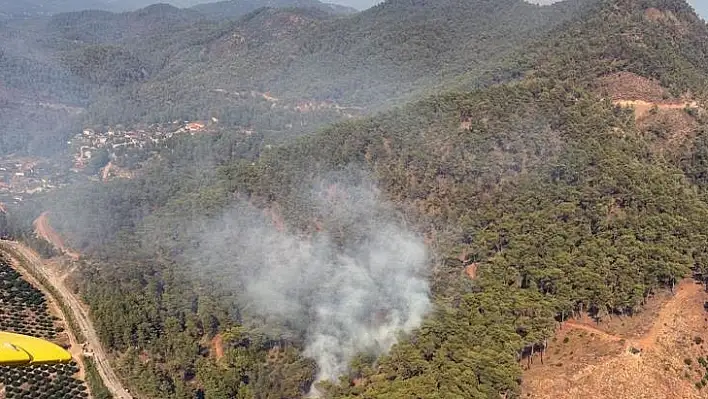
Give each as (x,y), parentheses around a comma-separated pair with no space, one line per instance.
(504,151)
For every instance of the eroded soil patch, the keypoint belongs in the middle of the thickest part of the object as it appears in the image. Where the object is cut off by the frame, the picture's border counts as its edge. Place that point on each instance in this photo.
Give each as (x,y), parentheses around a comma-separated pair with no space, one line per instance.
(628,359)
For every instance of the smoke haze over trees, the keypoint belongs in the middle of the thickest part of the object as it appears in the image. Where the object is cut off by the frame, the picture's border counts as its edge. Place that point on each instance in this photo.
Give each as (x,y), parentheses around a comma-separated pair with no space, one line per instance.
(358,4)
(346,295)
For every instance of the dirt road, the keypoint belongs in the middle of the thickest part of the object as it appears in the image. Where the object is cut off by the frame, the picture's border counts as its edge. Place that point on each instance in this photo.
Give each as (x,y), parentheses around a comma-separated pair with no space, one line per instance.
(642,108)
(217,345)
(30,260)
(106,171)
(603,366)
(686,291)
(44,230)
(590,329)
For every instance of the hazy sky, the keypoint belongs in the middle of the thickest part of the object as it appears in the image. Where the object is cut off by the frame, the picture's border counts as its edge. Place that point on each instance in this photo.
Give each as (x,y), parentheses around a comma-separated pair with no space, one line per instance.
(701,6)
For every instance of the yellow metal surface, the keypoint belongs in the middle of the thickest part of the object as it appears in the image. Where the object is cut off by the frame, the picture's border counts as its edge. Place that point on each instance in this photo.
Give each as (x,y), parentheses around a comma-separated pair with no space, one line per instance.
(22,349)
(12,355)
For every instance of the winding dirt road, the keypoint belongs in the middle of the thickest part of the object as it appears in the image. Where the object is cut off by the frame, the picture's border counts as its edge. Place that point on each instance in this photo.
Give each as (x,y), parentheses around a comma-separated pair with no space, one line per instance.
(46,232)
(590,329)
(29,259)
(686,291)
(604,366)
(642,108)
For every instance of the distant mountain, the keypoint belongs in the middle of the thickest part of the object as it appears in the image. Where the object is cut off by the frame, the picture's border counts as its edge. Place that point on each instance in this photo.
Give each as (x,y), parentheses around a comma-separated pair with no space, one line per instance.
(232,9)
(226,9)
(365,59)
(15,8)
(128,5)
(96,26)
(162,63)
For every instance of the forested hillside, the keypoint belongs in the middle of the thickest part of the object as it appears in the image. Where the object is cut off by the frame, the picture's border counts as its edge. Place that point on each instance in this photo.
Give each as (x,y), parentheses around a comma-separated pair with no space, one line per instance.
(539,199)
(231,9)
(33,8)
(363,60)
(27,8)
(278,70)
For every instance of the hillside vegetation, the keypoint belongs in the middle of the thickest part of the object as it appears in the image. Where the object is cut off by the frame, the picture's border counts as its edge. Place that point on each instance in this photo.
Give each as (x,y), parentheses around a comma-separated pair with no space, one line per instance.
(562,202)
(232,9)
(33,8)
(162,63)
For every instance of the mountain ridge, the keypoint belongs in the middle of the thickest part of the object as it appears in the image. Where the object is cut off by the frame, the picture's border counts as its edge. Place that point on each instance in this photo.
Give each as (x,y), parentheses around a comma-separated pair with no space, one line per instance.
(231,9)
(297,55)
(30,8)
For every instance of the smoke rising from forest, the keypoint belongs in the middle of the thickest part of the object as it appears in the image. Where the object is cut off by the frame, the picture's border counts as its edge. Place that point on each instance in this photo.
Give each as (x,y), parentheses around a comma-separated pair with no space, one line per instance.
(345,296)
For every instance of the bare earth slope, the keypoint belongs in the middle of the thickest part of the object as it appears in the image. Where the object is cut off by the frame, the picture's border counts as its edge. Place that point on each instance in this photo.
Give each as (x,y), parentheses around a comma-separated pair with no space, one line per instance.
(585,361)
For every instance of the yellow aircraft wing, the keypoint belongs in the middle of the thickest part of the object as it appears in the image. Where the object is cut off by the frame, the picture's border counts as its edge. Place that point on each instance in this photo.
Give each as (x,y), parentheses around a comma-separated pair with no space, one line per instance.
(17,349)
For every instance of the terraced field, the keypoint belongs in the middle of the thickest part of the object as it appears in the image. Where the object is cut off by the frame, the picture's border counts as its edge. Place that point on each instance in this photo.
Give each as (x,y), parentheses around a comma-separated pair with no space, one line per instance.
(24,310)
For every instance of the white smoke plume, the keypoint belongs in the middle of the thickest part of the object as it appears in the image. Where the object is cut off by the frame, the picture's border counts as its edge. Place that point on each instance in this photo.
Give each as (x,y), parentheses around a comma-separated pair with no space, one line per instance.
(350,288)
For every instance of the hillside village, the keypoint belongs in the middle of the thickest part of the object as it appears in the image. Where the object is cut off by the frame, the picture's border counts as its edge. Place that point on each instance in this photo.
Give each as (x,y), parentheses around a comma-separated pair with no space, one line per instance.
(21,178)
(118,141)
(103,153)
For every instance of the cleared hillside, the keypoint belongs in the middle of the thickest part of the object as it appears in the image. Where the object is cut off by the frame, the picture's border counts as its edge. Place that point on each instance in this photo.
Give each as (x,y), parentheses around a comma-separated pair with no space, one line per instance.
(658,353)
